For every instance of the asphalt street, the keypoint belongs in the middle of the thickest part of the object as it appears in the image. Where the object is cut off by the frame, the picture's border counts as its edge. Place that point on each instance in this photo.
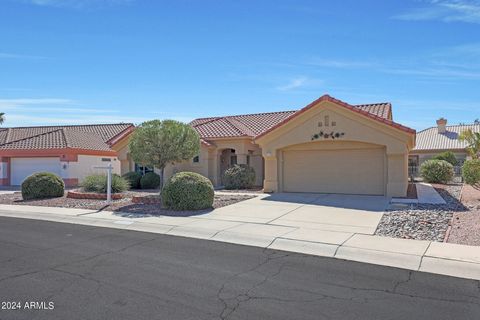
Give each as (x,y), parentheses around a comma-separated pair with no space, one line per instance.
(64,271)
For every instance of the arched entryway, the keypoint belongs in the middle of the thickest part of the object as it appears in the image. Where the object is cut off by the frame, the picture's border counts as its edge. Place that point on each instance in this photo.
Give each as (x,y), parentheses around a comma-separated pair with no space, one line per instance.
(228,158)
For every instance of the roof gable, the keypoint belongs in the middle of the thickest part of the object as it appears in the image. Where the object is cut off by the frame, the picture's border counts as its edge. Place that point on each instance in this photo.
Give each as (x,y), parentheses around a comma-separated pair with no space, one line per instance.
(363,111)
(255,125)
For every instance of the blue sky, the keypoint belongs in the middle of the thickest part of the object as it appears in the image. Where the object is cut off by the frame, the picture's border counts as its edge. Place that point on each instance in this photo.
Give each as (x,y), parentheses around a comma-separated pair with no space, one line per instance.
(87,61)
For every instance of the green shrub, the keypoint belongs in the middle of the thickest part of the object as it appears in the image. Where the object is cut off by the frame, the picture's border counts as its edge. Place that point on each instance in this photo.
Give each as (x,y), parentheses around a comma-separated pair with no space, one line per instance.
(471,171)
(436,171)
(150,180)
(42,185)
(133,179)
(98,183)
(188,191)
(239,177)
(447,156)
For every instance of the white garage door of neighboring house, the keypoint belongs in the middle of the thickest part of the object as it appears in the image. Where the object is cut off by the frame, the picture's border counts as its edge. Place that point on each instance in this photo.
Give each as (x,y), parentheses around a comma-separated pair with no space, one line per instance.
(334,171)
(23,167)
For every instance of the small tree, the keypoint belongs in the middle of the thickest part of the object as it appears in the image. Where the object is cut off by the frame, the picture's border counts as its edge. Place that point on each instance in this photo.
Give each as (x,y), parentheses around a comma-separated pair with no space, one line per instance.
(447,156)
(473,142)
(157,143)
(2,117)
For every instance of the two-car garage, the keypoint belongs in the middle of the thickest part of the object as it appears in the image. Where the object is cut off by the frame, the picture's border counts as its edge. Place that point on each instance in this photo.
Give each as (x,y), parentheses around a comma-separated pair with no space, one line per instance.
(20,168)
(348,171)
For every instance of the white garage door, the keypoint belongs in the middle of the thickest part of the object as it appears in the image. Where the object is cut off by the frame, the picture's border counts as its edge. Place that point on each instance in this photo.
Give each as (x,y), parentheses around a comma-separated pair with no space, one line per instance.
(334,171)
(23,167)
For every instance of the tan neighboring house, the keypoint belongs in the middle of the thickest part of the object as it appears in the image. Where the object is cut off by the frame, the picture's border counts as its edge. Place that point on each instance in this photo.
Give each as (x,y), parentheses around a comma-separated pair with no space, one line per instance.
(72,152)
(329,146)
(438,139)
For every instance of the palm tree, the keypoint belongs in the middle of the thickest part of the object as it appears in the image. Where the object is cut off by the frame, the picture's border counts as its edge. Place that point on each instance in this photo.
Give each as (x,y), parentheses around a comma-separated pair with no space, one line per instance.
(2,117)
(473,142)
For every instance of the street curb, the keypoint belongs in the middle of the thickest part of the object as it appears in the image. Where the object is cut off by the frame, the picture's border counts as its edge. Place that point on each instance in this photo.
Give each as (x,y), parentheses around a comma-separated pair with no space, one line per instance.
(367,252)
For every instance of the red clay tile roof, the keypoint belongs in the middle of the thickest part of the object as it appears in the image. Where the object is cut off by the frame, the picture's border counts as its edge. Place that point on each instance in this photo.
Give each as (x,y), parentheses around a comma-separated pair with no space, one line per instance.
(255,125)
(87,137)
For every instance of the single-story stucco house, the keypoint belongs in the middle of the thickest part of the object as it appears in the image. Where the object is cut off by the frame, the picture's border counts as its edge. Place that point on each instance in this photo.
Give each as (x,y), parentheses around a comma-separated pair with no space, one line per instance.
(328,146)
(438,139)
(71,152)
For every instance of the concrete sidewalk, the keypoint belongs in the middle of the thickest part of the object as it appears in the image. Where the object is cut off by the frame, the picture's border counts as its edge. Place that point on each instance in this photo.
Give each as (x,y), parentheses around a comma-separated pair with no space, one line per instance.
(289,235)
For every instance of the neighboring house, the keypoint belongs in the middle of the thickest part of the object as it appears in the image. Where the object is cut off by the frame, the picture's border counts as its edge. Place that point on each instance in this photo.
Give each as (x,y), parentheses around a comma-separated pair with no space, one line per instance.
(71,152)
(328,146)
(441,138)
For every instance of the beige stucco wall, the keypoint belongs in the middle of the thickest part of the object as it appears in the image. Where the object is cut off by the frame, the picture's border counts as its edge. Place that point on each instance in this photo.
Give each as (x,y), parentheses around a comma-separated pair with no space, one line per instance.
(210,164)
(85,166)
(201,167)
(126,163)
(356,129)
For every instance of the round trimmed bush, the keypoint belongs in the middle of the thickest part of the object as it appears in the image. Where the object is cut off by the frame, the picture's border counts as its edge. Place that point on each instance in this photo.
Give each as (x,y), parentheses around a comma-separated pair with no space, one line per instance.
(133,179)
(471,171)
(448,156)
(437,171)
(42,185)
(150,180)
(240,176)
(98,183)
(188,191)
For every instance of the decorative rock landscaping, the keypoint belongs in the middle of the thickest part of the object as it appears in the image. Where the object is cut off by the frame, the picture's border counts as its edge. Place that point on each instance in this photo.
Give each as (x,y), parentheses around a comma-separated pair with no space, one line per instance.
(420,221)
(123,205)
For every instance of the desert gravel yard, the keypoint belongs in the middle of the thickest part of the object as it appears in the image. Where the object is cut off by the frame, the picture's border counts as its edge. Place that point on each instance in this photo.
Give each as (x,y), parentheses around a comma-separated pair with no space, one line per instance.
(124,205)
(422,221)
(466,224)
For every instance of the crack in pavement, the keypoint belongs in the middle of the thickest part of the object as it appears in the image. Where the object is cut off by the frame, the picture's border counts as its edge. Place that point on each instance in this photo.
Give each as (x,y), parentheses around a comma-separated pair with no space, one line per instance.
(101,283)
(77,261)
(232,304)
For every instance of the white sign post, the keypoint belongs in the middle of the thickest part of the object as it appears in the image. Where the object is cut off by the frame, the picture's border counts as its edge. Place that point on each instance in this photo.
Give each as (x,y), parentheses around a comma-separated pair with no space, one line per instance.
(109,181)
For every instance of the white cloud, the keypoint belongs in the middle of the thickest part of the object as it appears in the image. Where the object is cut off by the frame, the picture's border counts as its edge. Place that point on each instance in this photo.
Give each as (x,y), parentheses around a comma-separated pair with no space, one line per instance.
(12,103)
(7,55)
(342,64)
(59,111)
(446,11)
(295,83)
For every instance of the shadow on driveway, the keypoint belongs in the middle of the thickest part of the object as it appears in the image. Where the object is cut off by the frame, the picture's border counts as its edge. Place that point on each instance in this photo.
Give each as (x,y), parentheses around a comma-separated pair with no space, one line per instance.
(346,201)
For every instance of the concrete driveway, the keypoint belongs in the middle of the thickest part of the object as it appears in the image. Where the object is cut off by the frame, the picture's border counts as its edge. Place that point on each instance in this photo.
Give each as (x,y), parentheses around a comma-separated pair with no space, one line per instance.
(329,212)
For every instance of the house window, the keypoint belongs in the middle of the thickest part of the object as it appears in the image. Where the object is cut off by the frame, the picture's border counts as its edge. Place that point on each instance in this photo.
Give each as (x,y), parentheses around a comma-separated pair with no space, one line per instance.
(142,170)
(233,160)
(413,161)
(196,159)
(106,159)
(248,160)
